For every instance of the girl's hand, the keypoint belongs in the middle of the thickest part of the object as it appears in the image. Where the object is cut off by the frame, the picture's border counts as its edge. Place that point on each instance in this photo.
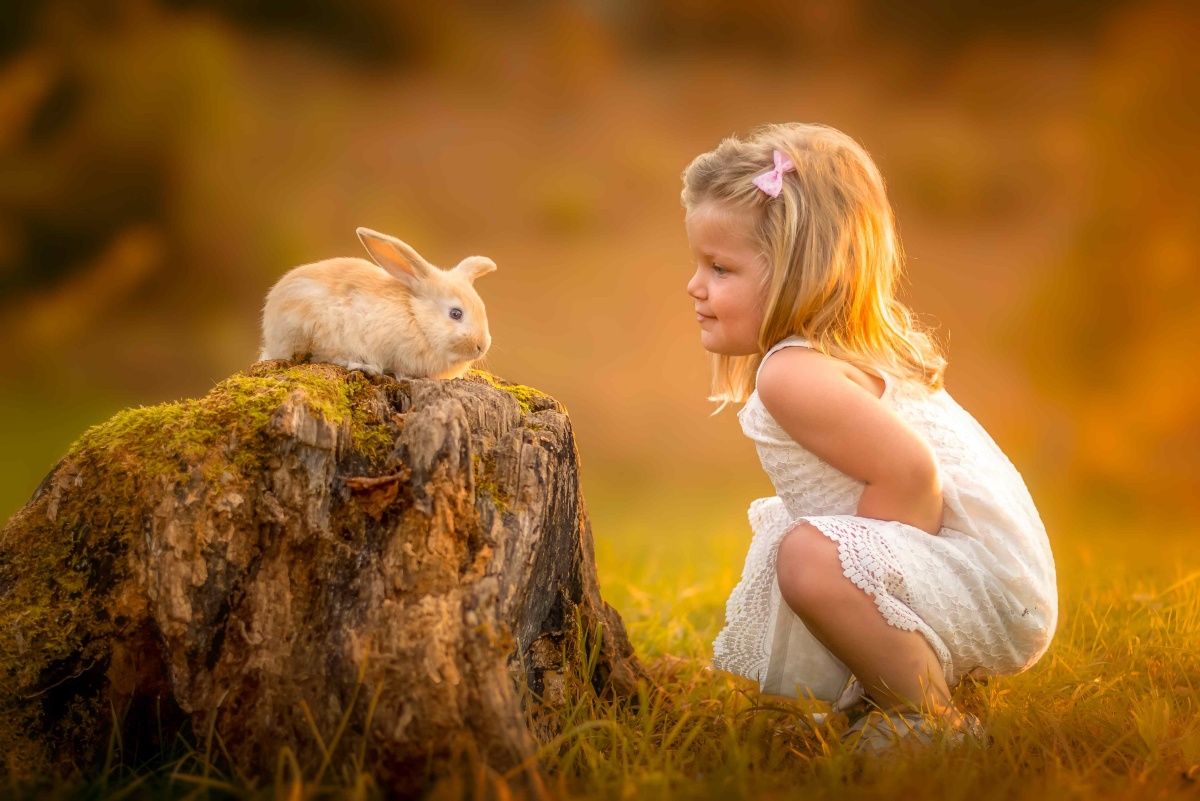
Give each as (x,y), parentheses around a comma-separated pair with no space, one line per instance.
(920,508)
(829,414)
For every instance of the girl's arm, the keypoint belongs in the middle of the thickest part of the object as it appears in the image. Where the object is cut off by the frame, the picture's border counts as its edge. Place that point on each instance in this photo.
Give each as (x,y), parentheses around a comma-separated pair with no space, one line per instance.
(843,424)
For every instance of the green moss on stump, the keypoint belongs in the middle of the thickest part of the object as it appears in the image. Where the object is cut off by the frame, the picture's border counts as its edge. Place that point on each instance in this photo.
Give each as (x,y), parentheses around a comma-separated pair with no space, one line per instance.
(166,439)
(62,561)
(525,395)
(485,484)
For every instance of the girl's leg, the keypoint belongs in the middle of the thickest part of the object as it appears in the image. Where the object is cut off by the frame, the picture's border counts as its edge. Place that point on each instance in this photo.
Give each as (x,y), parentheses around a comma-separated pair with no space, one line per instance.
(897,668)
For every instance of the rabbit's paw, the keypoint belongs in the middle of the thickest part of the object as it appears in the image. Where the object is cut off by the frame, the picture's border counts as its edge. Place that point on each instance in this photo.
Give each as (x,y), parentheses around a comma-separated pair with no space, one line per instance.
(365,367)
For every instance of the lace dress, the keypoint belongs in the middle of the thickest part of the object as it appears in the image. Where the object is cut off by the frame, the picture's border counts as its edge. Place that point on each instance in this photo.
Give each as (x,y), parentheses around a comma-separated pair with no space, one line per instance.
(983,592)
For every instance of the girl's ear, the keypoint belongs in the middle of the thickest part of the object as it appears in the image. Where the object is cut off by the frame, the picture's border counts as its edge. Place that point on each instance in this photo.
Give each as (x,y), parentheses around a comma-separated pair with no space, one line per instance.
(474,266)
(397,257)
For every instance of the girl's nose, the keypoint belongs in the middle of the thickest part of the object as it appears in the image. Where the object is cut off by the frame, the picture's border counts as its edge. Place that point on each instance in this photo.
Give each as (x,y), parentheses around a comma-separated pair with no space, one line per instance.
(694,286)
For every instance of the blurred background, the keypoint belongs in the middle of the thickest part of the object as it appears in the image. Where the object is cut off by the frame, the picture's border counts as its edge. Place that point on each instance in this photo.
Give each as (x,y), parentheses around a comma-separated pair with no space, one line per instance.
(162,164)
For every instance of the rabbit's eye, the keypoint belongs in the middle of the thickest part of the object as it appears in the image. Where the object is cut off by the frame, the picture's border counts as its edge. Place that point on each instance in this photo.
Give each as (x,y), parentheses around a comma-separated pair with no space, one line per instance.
(456,313)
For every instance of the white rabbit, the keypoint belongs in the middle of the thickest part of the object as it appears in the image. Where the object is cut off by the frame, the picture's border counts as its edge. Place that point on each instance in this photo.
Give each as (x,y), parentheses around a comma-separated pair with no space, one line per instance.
(401,316)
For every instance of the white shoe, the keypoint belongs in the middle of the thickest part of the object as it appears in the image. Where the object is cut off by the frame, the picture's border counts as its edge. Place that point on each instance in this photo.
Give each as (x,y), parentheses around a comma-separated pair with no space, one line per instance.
(852,699)
(878,732)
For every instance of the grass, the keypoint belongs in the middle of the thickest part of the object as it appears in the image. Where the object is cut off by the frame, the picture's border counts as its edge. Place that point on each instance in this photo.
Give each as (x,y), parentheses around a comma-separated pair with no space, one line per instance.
(1110,712)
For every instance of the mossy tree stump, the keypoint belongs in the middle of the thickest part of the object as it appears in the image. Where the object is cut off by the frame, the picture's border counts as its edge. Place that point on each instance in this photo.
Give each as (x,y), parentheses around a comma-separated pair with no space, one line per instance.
(305,549)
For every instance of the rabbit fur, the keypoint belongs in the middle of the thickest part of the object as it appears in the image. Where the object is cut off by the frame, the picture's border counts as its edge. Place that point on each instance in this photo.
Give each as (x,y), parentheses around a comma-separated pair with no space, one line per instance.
(399,315)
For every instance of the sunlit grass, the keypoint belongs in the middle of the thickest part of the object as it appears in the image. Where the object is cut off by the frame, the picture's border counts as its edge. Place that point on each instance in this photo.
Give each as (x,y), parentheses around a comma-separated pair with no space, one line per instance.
(1109,712)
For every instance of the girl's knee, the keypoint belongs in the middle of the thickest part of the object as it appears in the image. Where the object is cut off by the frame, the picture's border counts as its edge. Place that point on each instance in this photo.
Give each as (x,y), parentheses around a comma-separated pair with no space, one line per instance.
(806,560)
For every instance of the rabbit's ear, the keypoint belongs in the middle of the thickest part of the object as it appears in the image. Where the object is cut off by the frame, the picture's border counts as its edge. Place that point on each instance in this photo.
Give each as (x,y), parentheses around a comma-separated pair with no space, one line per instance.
(395,256)
(474,266)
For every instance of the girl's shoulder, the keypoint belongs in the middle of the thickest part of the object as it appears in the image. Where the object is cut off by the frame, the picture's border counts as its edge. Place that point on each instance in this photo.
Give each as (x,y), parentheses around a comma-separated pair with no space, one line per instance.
(881,383)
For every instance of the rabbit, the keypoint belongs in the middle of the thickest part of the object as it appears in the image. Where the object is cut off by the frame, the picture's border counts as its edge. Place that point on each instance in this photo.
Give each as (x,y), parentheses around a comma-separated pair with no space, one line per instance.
(399,315)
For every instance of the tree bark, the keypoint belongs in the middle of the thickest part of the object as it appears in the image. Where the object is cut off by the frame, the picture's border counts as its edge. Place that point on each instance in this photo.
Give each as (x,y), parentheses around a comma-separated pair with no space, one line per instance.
(306,549)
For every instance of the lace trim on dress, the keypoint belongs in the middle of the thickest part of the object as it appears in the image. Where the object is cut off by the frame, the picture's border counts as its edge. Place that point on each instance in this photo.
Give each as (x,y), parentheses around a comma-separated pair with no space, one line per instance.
(869,563)
(743,645)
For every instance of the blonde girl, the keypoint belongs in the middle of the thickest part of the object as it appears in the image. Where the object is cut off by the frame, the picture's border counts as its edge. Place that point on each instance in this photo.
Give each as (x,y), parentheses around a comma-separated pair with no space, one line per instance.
(902,550)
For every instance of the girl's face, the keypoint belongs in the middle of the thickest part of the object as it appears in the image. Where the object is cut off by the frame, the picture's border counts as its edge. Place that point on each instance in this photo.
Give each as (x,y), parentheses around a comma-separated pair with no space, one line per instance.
(727,286)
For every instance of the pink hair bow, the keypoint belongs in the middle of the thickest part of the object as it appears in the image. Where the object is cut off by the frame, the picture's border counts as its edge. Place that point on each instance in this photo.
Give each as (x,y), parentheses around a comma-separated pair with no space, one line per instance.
(771,181)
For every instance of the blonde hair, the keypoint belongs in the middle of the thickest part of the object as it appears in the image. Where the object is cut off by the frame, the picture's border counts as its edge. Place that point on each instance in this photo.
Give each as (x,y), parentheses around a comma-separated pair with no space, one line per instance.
(834,254)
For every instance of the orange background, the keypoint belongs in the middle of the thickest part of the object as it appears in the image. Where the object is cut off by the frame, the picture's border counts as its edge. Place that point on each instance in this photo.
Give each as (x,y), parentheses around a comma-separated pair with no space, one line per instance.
(162,164)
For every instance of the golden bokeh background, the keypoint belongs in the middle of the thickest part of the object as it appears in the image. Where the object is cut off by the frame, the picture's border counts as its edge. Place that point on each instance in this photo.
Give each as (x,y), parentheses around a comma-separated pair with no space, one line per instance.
(163,163)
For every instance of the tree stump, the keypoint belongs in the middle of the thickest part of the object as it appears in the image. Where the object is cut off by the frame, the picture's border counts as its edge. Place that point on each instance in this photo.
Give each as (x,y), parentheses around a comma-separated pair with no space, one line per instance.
(305,550)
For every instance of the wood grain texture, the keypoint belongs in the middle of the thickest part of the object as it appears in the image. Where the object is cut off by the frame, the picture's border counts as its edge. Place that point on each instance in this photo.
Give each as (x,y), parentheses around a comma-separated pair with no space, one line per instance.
(298,542)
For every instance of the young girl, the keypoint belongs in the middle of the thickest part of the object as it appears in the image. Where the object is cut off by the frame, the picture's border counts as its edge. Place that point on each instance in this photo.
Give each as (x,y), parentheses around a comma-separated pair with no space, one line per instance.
(902,542)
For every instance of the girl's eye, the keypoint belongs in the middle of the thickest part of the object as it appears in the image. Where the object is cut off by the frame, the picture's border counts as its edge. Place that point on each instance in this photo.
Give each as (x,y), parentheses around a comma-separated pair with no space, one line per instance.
(719,269)
(456,313)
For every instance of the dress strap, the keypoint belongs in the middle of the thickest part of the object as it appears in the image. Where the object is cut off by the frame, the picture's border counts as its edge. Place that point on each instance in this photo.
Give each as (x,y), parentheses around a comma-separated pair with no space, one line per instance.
(888,380)
(780,345)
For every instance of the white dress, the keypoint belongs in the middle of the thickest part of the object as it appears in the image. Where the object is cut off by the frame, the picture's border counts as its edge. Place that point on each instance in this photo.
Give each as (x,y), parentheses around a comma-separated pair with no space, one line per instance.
(983,592)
